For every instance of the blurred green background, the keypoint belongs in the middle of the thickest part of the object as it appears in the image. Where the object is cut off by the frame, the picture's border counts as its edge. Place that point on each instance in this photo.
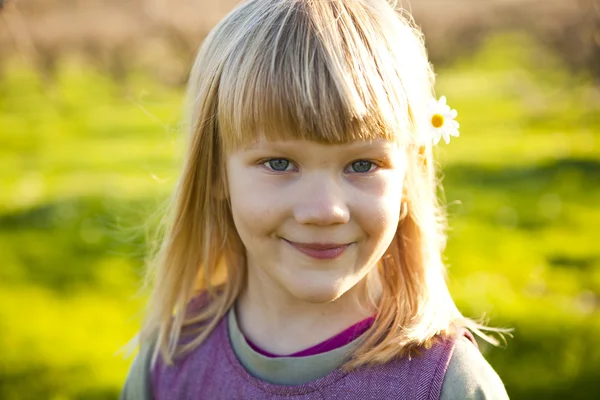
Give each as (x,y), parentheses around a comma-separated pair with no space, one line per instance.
(90,105)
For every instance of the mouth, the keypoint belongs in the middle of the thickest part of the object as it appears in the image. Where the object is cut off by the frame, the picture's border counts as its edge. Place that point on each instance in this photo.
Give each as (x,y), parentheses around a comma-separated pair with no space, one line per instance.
(320,251)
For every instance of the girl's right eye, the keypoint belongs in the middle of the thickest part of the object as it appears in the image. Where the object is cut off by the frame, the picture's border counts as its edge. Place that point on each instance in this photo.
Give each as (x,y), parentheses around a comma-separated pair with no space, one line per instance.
(278,164)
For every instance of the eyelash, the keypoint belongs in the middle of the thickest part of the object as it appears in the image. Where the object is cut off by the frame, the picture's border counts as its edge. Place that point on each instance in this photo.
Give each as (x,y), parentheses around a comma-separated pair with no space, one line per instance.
(266,162)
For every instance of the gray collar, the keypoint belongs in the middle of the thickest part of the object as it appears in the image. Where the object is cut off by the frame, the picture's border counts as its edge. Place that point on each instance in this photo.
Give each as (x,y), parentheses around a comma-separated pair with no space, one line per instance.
(285,370)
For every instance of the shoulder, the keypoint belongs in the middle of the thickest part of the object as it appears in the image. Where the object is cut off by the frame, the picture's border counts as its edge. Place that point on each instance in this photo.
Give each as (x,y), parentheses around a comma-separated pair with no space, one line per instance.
(137,384)
(469,376)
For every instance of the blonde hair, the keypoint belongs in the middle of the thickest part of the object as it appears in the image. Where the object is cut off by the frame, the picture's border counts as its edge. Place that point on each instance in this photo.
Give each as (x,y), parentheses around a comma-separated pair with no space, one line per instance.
(332,71)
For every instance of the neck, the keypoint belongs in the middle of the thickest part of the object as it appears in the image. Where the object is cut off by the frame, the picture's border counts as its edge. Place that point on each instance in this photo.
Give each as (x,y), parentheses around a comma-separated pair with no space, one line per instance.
(281,324)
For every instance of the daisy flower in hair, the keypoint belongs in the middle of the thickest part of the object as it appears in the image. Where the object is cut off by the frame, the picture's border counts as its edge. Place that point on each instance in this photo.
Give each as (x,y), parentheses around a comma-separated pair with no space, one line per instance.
(441,121)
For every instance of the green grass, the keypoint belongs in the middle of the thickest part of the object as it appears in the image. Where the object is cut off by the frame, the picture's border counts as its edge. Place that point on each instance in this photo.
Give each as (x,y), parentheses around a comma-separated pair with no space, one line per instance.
(85,161)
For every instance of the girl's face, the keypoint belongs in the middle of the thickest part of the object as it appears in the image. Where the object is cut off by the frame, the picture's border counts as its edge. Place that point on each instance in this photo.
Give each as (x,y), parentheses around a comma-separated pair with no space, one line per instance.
(314,218)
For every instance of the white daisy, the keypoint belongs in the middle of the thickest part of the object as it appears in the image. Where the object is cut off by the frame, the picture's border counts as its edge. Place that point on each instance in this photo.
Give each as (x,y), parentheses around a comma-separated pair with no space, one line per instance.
(441,122)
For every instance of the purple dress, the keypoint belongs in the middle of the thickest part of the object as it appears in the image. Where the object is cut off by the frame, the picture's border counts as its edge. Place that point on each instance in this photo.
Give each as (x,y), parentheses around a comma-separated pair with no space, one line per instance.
(213,372)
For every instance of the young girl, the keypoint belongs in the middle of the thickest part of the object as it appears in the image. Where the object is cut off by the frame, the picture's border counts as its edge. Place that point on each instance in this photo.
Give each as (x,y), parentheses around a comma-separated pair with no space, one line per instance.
(302,256)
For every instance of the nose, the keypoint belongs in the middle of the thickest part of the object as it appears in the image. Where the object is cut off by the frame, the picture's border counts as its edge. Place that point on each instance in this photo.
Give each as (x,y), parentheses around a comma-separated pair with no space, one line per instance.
(321,202)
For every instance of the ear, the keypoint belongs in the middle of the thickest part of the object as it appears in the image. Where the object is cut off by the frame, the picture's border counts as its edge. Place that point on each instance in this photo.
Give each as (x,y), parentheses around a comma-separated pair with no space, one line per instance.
(403,209)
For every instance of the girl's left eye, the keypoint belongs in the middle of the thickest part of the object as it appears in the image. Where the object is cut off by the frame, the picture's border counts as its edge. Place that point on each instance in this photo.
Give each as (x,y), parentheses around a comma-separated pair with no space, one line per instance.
(362,166)
(278,164)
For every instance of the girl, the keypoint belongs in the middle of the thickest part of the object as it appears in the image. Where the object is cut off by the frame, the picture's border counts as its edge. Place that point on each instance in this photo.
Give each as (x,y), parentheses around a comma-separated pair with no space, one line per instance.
(302,256)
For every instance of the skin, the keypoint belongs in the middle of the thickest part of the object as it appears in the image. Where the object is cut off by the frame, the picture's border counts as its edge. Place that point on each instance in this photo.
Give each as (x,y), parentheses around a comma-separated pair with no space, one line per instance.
(307,192)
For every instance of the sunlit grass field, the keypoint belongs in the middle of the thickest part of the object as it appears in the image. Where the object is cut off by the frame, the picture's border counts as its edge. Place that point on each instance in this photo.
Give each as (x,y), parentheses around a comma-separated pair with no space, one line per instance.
(86,162)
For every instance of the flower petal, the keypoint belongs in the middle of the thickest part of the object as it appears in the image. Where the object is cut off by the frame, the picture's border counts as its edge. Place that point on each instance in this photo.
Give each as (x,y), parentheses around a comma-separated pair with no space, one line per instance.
(446,137)
(434,135)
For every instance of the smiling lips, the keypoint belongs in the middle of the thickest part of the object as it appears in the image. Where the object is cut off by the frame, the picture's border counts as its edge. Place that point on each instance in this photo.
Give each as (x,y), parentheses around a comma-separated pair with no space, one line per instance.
(321,251)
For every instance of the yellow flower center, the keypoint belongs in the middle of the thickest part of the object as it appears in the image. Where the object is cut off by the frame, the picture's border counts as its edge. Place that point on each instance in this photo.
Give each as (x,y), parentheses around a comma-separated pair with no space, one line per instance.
(437,120)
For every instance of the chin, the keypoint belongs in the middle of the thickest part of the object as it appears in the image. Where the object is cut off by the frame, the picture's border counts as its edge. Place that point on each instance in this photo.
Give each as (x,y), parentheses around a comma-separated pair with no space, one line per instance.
(318,293)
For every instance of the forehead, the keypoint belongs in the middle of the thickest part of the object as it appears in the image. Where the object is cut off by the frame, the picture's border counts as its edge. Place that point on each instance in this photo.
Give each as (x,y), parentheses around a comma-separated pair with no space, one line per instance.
(300,148)
(263,142)
(329,131)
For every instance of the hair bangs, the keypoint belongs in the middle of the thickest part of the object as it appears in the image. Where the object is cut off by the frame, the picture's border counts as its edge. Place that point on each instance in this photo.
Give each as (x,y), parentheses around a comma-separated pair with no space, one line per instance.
(296,75)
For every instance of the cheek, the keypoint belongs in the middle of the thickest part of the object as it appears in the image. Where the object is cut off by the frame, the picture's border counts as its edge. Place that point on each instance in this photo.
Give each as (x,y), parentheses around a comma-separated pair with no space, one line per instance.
(379,211)
(385,222)
(252,217)
(253,209)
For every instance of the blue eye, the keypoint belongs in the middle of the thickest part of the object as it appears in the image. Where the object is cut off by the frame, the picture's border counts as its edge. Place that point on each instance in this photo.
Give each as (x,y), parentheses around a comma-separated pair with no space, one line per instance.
(362,166)
(278,164)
